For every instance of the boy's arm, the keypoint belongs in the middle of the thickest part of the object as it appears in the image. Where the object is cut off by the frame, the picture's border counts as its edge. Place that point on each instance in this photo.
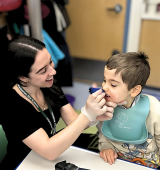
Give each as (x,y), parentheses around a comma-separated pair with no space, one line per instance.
(107,151)
(158,143)
(157,134)
(104,143)
(153,120)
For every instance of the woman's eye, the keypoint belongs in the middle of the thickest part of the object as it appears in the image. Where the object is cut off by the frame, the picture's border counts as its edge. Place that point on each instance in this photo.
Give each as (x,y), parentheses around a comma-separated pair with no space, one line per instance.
(113,85)
(51,62)
(104,80)
(44,72)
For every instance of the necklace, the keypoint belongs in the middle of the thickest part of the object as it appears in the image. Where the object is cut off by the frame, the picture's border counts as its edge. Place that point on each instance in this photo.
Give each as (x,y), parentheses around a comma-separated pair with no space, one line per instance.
(42,105)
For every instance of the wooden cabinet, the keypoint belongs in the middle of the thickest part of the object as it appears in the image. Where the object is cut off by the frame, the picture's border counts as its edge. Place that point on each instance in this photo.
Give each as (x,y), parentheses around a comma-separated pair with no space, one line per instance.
(150,44)
(95,31)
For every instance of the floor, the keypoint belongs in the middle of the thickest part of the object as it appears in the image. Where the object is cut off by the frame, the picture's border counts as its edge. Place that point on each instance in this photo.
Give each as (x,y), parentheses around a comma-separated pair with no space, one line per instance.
(85,72)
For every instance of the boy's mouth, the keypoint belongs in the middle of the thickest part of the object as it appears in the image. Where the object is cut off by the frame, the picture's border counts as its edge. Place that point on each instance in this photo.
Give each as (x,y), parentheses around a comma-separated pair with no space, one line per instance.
(107,98)
(107,95)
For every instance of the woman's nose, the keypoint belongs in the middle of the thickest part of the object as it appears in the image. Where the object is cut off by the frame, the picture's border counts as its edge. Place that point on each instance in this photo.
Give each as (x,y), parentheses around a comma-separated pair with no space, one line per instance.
(52,71)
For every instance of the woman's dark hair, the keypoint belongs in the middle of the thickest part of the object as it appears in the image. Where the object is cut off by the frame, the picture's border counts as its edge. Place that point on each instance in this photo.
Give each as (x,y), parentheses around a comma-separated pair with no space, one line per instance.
(133,66)
(21,53)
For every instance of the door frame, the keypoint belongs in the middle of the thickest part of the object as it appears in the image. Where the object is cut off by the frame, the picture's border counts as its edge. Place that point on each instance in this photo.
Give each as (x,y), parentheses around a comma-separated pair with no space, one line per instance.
(136,16)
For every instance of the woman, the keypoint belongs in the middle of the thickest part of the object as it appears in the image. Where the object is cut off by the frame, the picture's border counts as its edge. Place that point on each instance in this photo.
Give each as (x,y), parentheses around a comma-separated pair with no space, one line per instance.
(34,105)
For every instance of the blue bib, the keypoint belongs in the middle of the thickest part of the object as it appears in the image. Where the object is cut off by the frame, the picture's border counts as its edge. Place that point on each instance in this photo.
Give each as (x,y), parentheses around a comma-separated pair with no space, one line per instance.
(128,125)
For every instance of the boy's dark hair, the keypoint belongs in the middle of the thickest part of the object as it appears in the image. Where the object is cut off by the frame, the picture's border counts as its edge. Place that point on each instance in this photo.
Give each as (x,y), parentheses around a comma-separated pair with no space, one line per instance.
(133,66)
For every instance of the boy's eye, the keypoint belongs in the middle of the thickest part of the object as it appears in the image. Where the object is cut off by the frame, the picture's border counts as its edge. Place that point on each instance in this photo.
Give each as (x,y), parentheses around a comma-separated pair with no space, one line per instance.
(51,62)
(113,85)
(104,80)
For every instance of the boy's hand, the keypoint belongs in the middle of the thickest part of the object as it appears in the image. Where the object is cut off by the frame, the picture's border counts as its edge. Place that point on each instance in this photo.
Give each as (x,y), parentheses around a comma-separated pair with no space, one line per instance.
(109,155)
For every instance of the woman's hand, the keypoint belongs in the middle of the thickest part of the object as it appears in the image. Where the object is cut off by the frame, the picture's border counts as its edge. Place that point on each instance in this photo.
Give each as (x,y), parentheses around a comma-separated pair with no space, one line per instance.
(109,113)
(97,108)
(95,105)
(110,109)
(109,155)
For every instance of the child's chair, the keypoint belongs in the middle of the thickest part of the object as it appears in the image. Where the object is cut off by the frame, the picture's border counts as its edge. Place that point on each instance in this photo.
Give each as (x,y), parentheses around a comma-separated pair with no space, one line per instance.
(3,144)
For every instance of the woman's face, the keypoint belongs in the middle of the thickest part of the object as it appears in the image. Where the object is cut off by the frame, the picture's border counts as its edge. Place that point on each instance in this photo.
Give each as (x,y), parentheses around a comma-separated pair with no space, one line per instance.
(42,70)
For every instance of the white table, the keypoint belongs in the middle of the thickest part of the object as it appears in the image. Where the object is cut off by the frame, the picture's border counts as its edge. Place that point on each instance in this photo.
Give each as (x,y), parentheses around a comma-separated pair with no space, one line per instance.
(80,157)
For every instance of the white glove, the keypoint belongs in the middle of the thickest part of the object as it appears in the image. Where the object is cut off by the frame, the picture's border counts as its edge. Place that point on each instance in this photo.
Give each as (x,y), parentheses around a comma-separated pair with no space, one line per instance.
(95,105)
(93,123)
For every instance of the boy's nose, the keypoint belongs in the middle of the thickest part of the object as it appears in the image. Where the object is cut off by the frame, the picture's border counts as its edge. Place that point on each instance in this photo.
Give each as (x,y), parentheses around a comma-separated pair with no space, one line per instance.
(105,88)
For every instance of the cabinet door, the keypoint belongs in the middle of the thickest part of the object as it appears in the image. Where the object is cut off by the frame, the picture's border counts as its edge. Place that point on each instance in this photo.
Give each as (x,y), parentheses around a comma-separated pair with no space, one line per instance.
(95,31)
(150,44)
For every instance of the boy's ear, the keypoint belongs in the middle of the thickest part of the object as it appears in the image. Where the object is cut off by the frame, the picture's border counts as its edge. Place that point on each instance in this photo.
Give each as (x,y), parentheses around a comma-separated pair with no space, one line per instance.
(136,90)
(23,79)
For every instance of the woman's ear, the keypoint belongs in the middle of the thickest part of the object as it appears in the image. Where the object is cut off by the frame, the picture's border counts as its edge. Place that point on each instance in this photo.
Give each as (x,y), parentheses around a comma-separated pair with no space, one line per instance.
(23,79)
(136,90)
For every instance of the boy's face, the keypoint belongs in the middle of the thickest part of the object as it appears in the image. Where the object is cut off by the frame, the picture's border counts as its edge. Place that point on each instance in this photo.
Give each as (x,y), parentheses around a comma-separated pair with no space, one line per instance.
(115,89)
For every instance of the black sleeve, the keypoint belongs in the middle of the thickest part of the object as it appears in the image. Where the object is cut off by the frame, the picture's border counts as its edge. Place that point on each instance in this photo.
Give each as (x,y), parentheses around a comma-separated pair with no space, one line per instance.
(61,97)
(55,96)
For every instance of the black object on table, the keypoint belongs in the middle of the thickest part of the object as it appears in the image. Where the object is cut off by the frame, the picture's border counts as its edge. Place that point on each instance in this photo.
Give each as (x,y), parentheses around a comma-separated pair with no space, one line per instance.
(67,166)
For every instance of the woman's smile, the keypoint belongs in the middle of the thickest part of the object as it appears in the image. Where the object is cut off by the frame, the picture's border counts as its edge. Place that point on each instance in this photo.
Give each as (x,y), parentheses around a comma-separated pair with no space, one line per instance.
(50,80)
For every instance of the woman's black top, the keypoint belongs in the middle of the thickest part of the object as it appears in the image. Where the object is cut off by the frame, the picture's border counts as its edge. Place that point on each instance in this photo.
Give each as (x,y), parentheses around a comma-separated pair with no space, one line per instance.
(20,119)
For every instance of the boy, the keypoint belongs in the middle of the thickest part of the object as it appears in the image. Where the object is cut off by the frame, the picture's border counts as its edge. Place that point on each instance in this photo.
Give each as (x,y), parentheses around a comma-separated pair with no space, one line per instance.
(124,77)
